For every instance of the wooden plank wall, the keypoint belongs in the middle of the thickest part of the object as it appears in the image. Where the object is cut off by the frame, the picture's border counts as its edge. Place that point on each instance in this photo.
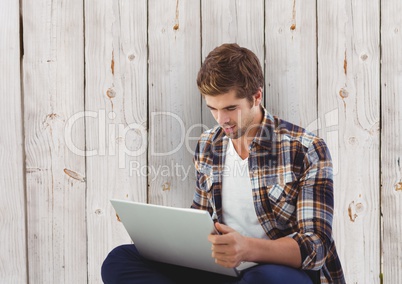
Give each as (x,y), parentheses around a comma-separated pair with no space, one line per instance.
(100,101)
(174,38)
(291,61)
(13,259)
(391,141)
(116,99)
(53,91)
(349,108)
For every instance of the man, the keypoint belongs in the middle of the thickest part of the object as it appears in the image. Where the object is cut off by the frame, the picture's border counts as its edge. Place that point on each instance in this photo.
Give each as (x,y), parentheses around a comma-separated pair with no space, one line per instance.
(266,182)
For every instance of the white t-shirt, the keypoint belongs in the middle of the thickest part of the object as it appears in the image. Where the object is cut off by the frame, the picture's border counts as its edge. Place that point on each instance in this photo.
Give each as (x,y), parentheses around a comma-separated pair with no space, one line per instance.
(237,196)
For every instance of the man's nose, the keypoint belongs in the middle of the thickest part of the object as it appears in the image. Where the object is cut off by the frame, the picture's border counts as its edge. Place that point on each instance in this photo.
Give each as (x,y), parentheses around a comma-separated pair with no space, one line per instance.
(222,117)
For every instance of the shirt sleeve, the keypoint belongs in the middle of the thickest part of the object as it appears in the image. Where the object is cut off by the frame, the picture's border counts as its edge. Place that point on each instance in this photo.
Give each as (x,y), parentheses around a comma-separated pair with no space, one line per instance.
(200,199)
(315,206)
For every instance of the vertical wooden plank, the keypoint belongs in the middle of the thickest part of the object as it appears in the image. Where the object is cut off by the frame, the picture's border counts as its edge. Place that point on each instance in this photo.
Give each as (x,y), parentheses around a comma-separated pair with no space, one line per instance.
(13,262)
(116,119)
(348,96)
(391,140)
(230,21)
(53,68)
(174,102)
(291,65)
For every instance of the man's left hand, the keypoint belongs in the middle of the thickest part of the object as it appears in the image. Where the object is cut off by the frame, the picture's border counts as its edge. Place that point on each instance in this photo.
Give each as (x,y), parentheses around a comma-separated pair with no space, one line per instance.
(229,248)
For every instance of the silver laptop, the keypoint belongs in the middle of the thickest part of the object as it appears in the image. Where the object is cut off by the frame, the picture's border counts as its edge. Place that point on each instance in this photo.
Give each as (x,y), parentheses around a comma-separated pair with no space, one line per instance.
(172,235)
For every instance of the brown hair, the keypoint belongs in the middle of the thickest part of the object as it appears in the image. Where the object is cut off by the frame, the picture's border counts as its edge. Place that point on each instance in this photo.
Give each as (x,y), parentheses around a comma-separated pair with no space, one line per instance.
(230,67)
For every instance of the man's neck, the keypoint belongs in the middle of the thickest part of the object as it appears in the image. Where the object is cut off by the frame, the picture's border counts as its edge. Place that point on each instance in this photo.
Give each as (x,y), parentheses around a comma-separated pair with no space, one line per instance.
(242,144)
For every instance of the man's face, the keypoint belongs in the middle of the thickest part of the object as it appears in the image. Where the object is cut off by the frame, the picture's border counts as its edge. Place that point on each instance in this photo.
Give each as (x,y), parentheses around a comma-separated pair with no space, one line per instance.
(236,116)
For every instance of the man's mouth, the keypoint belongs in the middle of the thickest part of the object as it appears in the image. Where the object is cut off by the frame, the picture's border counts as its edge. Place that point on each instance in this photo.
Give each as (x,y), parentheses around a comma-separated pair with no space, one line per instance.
(229,129)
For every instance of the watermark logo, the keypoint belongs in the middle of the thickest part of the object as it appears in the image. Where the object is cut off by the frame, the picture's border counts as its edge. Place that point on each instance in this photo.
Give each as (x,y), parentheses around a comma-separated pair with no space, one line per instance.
(173,170)
(113,138)
(135,140)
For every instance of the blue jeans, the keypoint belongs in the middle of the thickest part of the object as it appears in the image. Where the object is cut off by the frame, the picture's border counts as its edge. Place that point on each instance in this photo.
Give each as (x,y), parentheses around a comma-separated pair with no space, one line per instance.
(125,265)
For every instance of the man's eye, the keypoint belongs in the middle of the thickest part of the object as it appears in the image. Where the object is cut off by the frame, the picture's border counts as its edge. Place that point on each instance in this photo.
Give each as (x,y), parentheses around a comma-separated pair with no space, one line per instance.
(231,108)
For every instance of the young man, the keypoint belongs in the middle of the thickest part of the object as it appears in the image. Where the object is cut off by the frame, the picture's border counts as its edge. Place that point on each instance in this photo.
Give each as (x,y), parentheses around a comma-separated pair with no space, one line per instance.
(266,182)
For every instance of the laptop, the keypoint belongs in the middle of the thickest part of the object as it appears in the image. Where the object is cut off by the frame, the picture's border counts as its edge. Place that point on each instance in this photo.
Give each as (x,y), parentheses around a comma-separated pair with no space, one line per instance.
(172,235)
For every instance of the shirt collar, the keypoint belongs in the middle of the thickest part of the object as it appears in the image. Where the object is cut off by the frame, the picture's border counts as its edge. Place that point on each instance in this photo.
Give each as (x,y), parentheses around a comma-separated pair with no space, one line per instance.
(266,131)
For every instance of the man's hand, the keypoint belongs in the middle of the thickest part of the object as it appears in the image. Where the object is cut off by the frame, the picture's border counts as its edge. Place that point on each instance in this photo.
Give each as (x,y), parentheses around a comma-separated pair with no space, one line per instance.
(229,248)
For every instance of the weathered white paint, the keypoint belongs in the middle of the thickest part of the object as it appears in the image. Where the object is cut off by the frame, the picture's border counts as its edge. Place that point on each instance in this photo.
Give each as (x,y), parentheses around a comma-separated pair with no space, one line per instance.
(174,60)
(53,74)
(391,140)
(141,59)
(291,64)
(116,94)
(13,262)
(239,22)
(348,105)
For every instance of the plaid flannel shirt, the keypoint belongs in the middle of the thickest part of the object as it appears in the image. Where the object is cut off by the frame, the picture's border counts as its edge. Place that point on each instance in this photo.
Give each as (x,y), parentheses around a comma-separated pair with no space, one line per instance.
(292,184)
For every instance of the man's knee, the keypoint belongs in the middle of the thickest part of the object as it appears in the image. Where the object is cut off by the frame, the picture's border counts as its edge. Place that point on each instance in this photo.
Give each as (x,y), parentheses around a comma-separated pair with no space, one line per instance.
(116,260)
(273,274)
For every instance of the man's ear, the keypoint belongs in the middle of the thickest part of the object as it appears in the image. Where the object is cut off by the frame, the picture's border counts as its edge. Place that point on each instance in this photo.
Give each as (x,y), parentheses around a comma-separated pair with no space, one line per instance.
(258,97)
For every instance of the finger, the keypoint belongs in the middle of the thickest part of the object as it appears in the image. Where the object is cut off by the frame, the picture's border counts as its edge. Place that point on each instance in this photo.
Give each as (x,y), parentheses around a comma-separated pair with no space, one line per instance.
(219,239)
(216,239)
(222,228)
(225,263)
(223,257)
(218,255)
(221,249)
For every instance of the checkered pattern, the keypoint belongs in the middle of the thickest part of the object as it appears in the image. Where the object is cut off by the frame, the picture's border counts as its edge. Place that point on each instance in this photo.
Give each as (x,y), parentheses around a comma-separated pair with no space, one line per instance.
(291,176)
